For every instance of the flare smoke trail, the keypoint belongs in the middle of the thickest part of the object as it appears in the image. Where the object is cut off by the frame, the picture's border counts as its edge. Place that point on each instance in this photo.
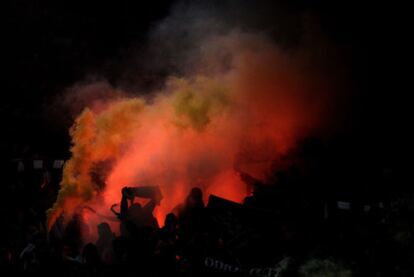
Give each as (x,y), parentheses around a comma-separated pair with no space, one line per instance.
(242,103)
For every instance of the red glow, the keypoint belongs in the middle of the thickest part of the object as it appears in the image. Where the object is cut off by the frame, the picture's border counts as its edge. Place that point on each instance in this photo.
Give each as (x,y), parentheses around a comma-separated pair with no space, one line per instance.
(195,133)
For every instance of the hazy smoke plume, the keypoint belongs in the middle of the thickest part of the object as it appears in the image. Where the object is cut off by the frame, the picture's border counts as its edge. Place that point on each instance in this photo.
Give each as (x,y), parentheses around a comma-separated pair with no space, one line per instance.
(233,98)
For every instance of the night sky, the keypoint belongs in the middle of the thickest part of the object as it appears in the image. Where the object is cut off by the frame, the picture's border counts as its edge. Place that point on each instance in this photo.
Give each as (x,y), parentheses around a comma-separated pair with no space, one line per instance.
(50,45)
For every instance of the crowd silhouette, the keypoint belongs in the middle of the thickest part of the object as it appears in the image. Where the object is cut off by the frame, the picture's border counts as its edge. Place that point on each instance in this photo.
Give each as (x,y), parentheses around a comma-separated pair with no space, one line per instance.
(291,227)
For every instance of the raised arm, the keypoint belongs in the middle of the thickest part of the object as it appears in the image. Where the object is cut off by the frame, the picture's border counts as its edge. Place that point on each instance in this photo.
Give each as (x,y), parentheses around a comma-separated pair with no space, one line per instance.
(124,202)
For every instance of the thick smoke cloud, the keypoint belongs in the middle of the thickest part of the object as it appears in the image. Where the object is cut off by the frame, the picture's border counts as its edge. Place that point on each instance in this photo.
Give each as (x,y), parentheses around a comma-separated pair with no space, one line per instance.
(235,97)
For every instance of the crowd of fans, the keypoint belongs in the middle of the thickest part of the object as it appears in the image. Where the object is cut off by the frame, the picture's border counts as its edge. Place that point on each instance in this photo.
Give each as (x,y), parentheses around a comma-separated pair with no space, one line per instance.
(279,230)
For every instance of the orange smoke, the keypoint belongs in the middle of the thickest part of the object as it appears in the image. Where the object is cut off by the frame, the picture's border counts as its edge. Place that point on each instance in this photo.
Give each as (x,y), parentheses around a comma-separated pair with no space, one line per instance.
(197,130)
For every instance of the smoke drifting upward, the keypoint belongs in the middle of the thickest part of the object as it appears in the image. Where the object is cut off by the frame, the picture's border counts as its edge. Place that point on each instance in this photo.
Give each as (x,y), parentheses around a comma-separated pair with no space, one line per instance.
(240,102)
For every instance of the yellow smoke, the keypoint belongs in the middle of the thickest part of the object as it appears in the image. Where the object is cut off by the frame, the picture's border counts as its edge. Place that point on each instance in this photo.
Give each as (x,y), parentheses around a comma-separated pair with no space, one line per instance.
(96,136)
(106,134)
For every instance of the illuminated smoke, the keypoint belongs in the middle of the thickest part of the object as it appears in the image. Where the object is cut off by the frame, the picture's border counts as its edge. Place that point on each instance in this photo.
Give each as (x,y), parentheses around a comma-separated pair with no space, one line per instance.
(239,103)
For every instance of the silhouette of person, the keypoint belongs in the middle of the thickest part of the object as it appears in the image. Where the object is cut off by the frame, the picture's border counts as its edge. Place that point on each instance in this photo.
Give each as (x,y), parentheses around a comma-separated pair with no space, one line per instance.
(134,216)
(104,242)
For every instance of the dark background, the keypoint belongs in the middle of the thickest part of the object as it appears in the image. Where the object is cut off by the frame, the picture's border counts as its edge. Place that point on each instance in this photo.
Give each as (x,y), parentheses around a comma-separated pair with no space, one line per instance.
(50,45)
